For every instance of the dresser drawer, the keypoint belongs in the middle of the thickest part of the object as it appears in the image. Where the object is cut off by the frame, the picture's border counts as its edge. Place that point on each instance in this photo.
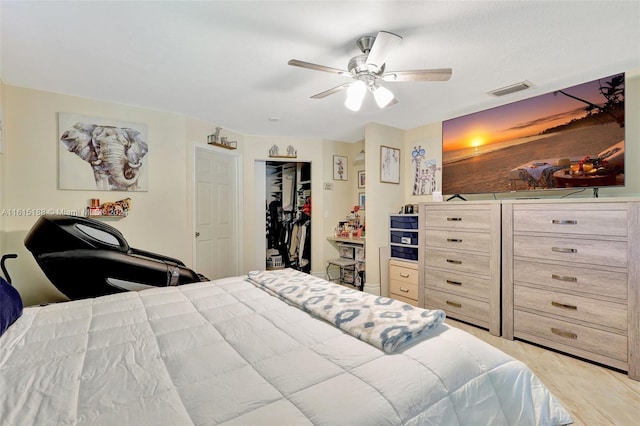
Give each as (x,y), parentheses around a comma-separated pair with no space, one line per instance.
(408,290)
(465,285)
(404,299)
(606,314)
(458,261)
(556,333)
(457,306)
(592,252)
(457,218)
(595,282)
(458,240)
(573,219)
(403,272)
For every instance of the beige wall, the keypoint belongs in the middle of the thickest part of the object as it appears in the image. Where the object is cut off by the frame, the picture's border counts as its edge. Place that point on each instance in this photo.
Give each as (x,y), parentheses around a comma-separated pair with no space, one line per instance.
(429,136)
(382,198)
(161,219)
(338,201)
(158,220)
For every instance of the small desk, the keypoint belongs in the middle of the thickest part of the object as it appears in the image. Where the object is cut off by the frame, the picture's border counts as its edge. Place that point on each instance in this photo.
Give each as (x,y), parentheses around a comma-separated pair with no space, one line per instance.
(356,241)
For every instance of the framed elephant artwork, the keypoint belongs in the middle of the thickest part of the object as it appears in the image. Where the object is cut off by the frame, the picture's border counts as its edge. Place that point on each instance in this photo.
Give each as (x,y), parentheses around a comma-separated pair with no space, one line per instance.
(101,154)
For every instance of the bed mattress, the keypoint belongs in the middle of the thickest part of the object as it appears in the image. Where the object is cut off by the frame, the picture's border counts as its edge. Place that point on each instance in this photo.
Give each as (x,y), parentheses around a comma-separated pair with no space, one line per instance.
(228,353)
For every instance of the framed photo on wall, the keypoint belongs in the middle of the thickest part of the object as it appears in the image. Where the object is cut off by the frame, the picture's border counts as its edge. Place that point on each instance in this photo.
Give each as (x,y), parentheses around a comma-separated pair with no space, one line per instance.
(389,164)
(340,168)
(361,180)
(361,201)
(120,163)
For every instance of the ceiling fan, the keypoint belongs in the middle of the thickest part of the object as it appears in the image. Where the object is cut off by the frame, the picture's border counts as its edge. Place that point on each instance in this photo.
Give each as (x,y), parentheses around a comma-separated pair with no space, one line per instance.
(369,71)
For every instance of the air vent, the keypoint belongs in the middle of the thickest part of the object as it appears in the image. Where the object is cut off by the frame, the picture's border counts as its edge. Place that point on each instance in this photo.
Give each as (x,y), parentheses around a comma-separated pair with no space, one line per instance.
(511,89)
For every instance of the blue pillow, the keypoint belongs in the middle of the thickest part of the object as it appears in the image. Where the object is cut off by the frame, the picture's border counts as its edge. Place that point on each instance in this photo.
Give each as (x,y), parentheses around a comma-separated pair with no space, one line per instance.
(10,305)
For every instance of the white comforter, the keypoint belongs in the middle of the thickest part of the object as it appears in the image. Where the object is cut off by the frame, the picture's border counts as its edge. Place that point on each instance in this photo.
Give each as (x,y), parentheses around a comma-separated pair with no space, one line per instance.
(227,353)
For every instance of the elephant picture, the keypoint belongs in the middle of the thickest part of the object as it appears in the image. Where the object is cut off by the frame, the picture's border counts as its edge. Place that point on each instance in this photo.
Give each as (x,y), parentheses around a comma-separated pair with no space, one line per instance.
(114,153)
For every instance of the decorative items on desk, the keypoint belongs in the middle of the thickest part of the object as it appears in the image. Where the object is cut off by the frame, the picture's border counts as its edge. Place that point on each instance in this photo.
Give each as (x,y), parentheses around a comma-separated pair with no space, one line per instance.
(352,227)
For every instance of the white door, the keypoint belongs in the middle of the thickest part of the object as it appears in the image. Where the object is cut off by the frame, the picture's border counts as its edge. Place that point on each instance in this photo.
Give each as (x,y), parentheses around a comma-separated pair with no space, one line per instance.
(217,213)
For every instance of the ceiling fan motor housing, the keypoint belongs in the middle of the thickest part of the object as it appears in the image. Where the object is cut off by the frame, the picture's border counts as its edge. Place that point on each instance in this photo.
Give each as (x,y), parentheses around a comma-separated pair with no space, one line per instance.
(365,43)
(358,67)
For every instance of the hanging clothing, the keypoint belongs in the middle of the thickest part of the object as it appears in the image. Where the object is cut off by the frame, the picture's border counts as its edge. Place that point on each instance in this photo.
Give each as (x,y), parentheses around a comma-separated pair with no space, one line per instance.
(293,244)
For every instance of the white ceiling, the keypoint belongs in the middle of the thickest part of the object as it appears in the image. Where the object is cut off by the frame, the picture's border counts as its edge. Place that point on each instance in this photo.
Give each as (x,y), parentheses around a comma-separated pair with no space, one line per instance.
(225,62)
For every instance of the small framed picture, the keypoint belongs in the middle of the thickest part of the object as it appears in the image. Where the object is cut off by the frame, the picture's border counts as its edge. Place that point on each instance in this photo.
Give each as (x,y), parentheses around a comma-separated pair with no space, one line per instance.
(389,164)
(361,179)
(340,168)
(361,200)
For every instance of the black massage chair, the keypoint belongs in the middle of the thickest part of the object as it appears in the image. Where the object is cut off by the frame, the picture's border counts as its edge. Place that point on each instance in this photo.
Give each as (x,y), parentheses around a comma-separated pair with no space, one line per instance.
(87,258)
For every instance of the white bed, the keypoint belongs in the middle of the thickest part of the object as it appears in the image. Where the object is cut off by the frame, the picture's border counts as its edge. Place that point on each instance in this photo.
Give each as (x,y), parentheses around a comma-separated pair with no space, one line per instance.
(228,352)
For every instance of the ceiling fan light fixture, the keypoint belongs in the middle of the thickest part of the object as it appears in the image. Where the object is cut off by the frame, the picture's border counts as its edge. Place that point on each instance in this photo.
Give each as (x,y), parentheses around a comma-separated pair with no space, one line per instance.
(369,69)
(355,95)
(382,96)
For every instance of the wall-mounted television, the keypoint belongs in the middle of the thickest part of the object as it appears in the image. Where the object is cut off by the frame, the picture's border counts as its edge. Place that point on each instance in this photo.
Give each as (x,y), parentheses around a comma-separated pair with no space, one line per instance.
(569,138)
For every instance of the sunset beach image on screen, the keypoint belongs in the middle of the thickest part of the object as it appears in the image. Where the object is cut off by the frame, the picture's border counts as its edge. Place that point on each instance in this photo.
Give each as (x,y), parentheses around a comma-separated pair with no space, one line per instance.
(539,143)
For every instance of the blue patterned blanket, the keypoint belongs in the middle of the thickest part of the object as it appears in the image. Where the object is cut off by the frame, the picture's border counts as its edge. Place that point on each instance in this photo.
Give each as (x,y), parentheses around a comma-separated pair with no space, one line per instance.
(385,323)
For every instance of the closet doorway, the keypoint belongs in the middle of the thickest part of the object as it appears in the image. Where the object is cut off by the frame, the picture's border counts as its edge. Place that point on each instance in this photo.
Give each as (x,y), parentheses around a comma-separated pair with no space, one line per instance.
(288,215)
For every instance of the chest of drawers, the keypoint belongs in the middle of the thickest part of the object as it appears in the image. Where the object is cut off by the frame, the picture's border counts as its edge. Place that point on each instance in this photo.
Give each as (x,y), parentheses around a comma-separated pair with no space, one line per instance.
(403,281)
(570,279)
(460,261)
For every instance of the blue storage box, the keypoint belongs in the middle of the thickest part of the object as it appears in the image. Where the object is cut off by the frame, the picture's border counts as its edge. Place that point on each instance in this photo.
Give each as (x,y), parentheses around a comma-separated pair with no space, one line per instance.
(404,222)
(401,237)
(407,253)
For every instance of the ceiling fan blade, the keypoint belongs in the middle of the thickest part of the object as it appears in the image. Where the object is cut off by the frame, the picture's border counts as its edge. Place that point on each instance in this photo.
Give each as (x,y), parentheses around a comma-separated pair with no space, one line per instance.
(442,74)
(330,91)
(383,45)
(309,65)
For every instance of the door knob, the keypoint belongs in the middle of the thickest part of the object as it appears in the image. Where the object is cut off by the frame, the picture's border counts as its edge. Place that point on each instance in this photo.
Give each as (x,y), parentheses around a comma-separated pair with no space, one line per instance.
(197,234)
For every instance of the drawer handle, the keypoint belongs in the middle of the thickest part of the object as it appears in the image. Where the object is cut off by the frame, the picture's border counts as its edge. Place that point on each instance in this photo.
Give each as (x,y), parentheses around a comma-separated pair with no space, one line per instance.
(454,304)
(564,305)
(455,262)
(404,275)
(563,278)
(454,240)
(564,250)
(404,290)
(454,282)
(562,333)
(454,219)
(564,222)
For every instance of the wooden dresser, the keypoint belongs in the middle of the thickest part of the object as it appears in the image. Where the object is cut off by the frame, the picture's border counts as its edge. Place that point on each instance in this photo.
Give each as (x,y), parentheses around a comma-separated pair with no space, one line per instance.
(460,261)
(403,281)
(570,278)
